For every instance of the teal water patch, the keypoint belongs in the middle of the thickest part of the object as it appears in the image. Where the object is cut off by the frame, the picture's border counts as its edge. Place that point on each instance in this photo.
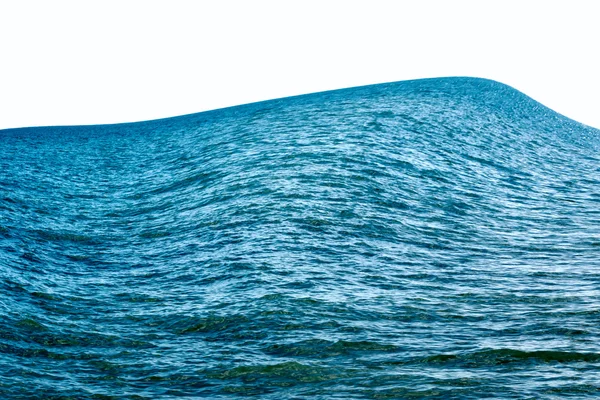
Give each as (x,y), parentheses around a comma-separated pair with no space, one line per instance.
(434,239)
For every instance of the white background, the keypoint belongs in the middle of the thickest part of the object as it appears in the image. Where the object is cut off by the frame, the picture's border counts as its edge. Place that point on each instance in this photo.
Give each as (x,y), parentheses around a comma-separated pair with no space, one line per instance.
(87,62)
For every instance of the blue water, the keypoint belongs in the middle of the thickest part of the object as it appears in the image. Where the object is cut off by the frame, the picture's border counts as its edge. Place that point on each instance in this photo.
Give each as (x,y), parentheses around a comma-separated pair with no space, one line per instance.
(435,238)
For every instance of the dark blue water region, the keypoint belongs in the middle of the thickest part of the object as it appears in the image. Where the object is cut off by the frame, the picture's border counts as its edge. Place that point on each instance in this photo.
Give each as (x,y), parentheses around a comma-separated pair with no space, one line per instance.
(434,239)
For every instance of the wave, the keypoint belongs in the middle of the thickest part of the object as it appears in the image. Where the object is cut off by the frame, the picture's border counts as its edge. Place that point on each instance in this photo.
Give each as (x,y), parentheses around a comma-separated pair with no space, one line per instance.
(431,238)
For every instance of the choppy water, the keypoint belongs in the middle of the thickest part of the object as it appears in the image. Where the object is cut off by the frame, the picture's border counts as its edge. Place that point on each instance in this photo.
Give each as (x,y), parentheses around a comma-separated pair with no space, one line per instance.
(435,238)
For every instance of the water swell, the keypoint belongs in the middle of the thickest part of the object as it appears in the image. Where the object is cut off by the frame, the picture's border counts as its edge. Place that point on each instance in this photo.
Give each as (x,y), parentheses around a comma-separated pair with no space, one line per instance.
(482,359)
(420,238)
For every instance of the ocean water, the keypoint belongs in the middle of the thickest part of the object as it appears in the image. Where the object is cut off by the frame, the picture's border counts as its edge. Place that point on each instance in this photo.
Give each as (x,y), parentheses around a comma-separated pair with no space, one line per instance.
(435,238)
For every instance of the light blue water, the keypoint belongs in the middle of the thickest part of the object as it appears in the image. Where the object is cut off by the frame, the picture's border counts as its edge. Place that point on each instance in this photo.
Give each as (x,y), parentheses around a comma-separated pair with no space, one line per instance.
(423,239)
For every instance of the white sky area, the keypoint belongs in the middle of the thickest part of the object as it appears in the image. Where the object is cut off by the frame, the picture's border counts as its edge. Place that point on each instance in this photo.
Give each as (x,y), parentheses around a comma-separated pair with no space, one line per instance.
(90,62)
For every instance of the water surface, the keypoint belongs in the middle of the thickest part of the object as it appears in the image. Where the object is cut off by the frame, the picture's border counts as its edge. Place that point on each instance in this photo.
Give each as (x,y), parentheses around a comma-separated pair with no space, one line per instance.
(422,239)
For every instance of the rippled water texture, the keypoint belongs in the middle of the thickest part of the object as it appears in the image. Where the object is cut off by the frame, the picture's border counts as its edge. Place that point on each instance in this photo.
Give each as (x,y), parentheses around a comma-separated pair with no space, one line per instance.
(435,238)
